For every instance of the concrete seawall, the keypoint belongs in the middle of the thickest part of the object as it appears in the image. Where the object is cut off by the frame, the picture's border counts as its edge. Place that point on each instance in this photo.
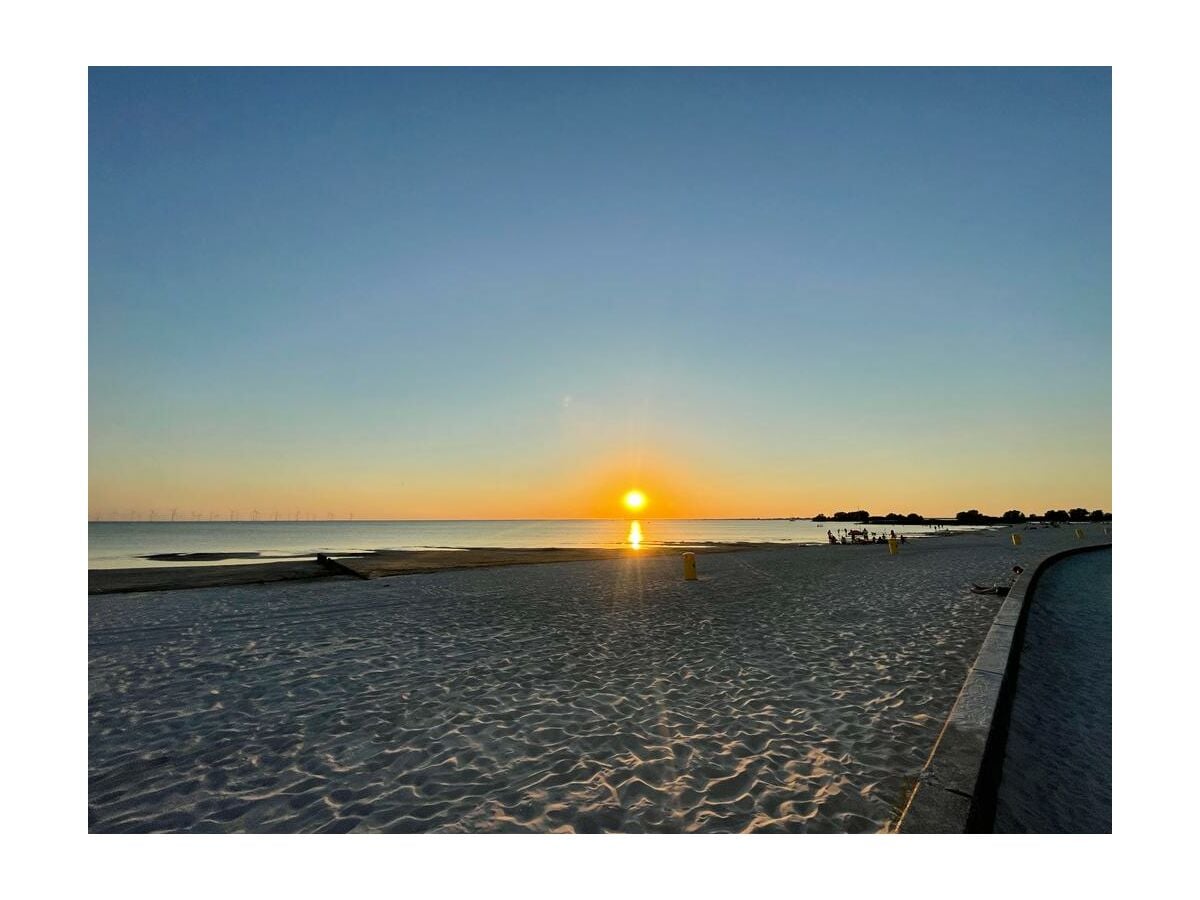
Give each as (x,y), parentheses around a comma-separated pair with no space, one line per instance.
(956,791)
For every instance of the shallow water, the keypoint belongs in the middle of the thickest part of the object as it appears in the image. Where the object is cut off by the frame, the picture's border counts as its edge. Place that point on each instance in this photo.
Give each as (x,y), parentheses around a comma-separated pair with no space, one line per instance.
(1057,770)
(124,544)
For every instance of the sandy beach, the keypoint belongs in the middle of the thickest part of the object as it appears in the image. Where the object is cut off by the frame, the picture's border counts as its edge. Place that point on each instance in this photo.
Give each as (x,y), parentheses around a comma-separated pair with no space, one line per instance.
(790,690)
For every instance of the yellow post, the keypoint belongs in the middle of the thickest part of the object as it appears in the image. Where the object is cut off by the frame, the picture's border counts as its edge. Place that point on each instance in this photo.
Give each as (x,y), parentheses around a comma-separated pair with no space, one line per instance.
(1079,533)
(689,566)
(893,546)
(1016,538)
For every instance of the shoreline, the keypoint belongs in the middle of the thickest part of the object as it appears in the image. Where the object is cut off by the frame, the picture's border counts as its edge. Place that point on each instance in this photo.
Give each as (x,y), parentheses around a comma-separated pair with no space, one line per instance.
(375,564)
(371,564)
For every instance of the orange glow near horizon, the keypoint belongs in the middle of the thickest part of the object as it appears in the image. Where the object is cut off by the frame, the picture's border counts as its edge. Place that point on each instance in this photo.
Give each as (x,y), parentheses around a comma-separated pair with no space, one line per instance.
(675,483)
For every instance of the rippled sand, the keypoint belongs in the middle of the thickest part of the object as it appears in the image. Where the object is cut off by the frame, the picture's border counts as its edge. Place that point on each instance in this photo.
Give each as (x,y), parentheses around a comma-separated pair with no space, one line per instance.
(795,689)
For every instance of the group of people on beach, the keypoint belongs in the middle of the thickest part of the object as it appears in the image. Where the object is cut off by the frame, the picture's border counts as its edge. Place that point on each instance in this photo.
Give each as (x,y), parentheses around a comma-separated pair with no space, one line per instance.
(862,536)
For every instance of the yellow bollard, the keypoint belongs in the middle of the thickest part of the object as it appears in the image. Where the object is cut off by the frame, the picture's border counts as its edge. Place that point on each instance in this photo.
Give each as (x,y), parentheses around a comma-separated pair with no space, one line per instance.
(1079,533)
(1016,538)
(689,566)
(893,546)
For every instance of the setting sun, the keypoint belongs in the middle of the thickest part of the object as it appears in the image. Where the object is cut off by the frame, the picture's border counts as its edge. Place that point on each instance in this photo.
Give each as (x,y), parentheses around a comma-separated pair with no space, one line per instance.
(634,500)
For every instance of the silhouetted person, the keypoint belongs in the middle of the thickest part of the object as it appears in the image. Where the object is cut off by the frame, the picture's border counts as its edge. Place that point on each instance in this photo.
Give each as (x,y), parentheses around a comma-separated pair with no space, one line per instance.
(1001,589)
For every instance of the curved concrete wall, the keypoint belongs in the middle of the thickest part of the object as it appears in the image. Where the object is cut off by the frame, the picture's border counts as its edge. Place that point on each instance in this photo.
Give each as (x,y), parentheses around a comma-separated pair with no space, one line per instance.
(956,791)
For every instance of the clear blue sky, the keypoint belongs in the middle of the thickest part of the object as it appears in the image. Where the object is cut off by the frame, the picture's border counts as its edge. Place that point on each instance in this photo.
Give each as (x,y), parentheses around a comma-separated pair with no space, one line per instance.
(458,293)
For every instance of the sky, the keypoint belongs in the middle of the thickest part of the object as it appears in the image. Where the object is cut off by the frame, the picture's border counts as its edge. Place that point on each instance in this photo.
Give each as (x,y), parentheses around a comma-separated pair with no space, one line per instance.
(517,293)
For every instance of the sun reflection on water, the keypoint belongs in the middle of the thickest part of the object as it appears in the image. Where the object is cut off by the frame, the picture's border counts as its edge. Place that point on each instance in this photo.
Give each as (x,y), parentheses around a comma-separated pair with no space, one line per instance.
(635,534)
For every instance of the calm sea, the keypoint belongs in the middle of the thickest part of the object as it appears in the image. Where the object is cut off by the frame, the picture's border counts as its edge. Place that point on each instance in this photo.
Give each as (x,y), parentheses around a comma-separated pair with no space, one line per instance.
(124,544)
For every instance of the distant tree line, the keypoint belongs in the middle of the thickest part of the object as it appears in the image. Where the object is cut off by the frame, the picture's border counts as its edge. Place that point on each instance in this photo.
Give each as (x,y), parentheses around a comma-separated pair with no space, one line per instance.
(858,515)
(970,517)
(863,517)
(1015,516)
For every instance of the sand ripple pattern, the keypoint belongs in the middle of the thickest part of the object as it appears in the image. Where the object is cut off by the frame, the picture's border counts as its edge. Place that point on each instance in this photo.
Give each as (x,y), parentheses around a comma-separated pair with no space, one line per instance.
(789,690)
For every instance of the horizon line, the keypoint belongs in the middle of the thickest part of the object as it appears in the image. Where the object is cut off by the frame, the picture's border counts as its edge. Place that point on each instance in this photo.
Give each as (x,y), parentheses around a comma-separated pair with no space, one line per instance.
(293,521)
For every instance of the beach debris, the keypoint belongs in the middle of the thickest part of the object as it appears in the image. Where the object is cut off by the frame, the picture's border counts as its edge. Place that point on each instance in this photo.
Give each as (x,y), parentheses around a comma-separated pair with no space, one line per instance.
(335,566)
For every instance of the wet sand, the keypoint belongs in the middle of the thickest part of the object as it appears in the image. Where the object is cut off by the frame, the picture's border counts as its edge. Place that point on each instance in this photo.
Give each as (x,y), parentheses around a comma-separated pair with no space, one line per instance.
(164,578)
(794,689)
(369,564)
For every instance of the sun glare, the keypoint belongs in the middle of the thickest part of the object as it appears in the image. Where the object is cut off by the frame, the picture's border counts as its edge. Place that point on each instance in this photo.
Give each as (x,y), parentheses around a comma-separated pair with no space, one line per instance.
(635,534)
(634,500)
